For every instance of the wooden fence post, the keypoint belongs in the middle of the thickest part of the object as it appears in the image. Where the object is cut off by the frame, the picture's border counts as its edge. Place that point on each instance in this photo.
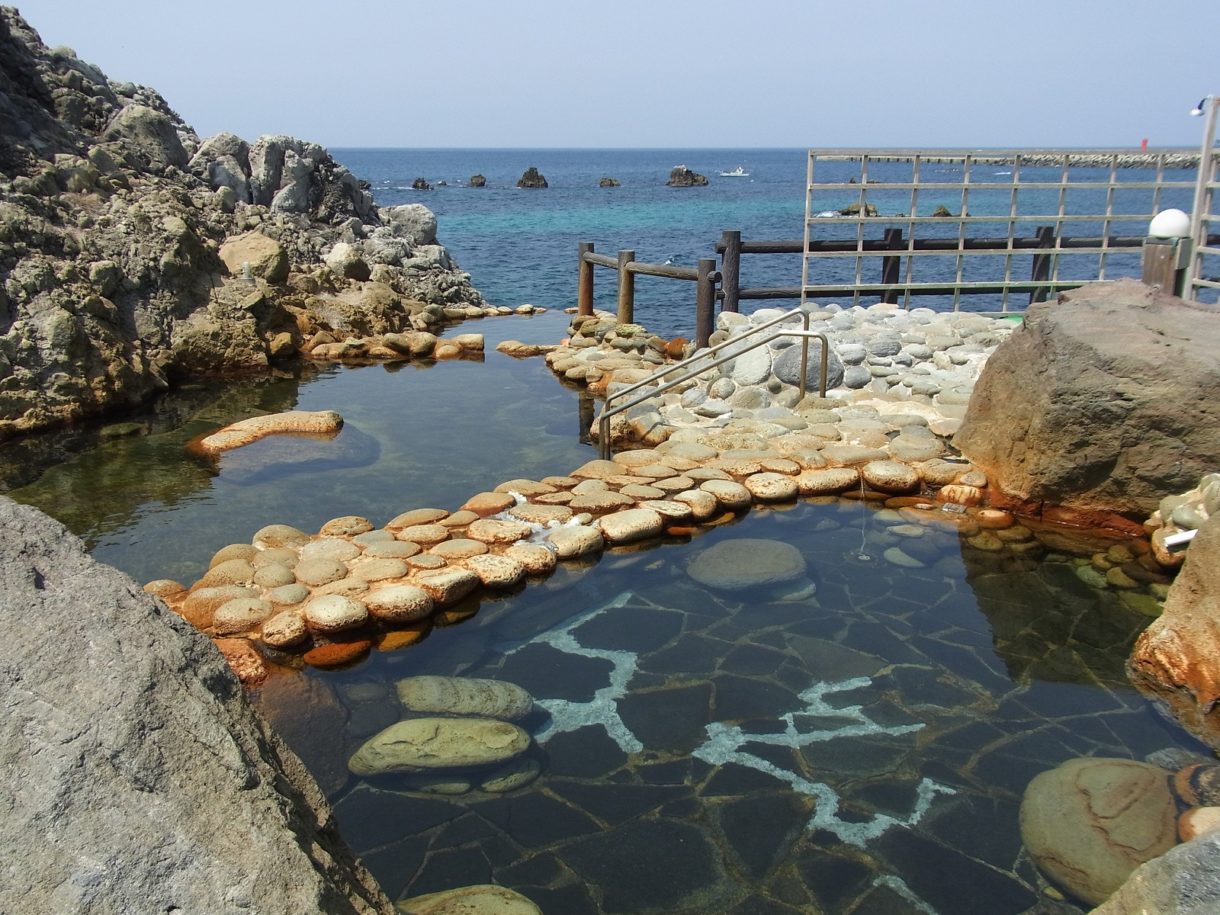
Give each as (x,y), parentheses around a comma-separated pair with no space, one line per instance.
(1159,263)
(626,288)
(730,270)
(584,279)
(705,301)
(1041,269)
(891,264)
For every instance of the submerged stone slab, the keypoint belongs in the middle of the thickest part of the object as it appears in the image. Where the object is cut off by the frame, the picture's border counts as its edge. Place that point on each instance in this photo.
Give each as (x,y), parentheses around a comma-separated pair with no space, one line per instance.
(744,563)
(428,744)
(467,696)
(483,899)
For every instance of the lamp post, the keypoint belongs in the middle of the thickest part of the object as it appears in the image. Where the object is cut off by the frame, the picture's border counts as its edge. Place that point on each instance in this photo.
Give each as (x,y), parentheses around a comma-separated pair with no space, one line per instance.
(1207,108)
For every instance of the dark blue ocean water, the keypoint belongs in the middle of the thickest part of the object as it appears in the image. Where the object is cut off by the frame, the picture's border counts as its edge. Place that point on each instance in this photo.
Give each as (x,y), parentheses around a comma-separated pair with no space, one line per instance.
(520,245)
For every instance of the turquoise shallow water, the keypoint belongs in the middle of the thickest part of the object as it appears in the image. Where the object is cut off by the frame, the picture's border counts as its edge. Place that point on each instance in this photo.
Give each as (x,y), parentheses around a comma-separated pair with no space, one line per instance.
(520,245)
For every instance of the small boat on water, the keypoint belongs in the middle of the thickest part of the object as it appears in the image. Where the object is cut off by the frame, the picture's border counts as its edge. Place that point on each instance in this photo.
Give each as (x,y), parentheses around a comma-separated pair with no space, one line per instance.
(738,172)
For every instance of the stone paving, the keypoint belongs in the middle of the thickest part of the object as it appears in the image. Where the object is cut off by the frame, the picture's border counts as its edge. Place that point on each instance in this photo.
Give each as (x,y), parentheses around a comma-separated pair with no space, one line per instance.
(859,749)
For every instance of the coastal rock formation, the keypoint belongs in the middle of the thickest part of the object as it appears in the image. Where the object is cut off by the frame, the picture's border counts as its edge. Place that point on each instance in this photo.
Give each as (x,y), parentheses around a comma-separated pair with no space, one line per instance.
(1177,658)
(134,254)
(1064,415)
(421,184)
(147,783)
(477,181)
(608,182)
(532,179)
(681,176)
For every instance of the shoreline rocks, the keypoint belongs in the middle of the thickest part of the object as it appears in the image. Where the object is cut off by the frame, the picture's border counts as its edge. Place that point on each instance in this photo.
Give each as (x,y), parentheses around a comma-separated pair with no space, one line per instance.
(250,254)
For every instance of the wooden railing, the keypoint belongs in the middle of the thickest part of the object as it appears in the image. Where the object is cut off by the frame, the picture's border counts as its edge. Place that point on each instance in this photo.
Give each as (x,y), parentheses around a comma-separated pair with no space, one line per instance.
(705,277)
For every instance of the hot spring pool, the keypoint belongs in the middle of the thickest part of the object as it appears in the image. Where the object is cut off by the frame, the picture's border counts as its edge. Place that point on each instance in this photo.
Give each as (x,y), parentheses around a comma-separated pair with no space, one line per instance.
(859,744)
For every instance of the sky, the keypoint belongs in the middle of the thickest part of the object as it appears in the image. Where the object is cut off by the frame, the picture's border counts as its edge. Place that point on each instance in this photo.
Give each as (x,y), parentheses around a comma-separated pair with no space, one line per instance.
(663,73)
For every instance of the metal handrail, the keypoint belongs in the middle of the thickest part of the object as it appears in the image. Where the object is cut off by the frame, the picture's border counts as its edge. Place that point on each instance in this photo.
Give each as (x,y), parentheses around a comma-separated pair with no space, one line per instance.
(603,421)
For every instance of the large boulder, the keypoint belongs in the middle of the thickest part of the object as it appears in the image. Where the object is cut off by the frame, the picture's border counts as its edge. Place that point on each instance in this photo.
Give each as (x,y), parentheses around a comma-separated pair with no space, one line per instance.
(151,134)
(1177,658)
(265,256)
(1090,822)
(1104,401)
(1184,880)
(138,779)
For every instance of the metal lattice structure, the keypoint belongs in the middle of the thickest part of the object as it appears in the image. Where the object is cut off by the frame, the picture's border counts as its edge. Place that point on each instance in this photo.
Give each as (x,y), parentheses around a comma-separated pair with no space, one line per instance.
(1003,228)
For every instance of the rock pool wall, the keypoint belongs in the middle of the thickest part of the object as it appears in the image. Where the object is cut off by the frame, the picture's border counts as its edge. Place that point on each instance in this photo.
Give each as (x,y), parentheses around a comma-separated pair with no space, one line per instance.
(138,777)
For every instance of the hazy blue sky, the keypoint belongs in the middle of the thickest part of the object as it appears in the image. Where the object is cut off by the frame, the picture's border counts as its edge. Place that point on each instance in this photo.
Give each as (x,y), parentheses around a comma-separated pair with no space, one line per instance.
(794,73)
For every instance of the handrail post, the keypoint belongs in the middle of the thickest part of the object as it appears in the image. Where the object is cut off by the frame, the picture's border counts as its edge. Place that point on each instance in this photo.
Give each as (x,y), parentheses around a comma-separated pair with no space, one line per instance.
(730,270)
(626,288)
(805,354)
(1041,269)
(705,301)
(584,279)
(890,265)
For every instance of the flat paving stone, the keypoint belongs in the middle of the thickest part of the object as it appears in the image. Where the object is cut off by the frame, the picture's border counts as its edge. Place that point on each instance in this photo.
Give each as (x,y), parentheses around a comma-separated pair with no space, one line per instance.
(672,866)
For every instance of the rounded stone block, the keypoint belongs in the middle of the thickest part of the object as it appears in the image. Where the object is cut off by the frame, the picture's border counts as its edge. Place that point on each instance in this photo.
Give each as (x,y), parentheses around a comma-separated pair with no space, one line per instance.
(890,476)
(447,586)
(495,571)
(771,487)
(630,525)
(575,540)
(335,613)
(827,481)
(429,744)
(465,696)
(728,493)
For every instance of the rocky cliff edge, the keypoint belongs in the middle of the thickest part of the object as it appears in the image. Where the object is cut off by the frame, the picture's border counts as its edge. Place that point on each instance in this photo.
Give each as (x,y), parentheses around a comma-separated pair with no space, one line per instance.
(134,254)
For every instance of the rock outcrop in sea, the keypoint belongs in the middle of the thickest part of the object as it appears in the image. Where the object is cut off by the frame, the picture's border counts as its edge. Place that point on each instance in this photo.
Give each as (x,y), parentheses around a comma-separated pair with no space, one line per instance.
(681,176)
(531,178)
(136,254)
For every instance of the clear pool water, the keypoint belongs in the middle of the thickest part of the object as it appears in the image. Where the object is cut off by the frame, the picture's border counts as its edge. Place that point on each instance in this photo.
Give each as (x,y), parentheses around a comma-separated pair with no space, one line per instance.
(862,749)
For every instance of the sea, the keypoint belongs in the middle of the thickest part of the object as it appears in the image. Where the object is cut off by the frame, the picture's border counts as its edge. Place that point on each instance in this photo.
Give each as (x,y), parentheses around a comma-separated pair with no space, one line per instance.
(520,245)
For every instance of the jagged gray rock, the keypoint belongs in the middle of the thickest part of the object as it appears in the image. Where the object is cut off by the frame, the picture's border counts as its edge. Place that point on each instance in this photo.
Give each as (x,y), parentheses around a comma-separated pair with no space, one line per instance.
(138,779)
(112,217)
